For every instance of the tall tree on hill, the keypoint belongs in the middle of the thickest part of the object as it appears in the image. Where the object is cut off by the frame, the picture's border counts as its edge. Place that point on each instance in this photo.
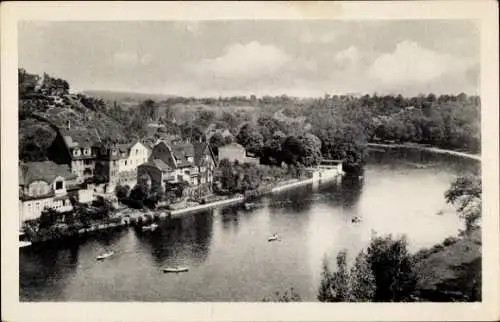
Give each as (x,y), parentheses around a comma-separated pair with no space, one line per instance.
(250,138)
(216,141)
(149,109)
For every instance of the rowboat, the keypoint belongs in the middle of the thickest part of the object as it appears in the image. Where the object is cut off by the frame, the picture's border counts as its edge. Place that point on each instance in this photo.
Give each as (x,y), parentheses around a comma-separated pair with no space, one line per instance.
(151,227)
(175,269)
(105,255)
(249,205)
(273,237)
(356,219)
(23,243)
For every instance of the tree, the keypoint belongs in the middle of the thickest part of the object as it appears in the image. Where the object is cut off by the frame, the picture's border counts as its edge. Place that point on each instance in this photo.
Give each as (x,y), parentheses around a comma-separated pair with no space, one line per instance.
(291,150)
(383,274)
(304,150)
(272,152)
(204,118)
(122,192)
(465,193)
(250,138)
(149,109)
(340,280)
(391,265)
(48,218)
(216,141)
(311,150)
(250,175)
(139,193)
(362,282)
(156,193)
(192,132)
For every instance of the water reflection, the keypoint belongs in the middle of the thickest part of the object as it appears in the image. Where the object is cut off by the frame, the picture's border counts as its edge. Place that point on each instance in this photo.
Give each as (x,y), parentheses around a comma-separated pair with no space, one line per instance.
(186,238)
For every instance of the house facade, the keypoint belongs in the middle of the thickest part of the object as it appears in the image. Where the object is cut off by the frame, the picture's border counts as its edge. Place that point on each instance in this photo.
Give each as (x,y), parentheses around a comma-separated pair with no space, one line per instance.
(47,185)
(118,163)
(235,152)
(77,148)
(193,163)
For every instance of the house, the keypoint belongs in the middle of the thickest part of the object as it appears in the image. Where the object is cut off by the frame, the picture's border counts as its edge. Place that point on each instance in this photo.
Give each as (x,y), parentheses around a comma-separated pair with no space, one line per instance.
(118,163)
(47,185)
(235,152)
(77,148)
(193,163)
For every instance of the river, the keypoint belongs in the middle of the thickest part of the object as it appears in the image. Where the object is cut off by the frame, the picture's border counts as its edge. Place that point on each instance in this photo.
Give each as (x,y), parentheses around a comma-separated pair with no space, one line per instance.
(227,250)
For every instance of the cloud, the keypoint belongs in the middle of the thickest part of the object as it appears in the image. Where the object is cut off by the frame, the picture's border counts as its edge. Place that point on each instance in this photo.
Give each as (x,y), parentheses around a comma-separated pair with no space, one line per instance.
(412,64)
(251,60)
(323,38)
(349,56)
(128,58)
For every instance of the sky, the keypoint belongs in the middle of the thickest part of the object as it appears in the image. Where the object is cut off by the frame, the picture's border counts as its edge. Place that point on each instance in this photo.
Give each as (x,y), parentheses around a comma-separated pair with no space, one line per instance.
(243,57)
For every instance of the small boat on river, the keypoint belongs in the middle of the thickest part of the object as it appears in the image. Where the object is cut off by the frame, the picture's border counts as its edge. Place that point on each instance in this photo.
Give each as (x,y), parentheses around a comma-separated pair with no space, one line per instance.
(249,205)
(105,255)
(151,227)
(24,243)
(175,269)
(274,237)
(356,219)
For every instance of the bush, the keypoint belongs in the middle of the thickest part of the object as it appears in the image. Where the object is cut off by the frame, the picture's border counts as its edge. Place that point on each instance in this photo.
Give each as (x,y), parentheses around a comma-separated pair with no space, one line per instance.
(450,241)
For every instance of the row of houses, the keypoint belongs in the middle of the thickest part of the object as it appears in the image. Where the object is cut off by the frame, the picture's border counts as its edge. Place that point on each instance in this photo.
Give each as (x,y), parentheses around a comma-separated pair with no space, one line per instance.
(81,166)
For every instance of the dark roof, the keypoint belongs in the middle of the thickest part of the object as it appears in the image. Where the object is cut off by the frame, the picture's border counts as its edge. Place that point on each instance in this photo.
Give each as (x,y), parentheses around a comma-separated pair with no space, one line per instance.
(80,137)
(200,150)
(181,152)
(46,171)
(158,164)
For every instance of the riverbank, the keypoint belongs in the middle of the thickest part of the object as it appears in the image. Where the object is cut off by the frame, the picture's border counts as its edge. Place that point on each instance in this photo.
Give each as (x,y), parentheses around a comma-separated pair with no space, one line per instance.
(125,217)
(240,199)
(416,146)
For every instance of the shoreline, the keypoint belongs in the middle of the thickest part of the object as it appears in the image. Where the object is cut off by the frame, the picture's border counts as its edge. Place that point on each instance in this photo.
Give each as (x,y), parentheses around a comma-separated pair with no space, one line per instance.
(184,211)
(415,146)
(241,199)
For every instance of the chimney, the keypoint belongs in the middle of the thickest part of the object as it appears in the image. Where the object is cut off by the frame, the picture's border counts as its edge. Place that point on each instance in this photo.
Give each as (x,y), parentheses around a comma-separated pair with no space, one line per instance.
(69,124)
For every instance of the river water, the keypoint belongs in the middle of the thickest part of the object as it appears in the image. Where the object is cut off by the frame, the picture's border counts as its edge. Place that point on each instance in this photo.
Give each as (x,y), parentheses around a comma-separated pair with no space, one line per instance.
(227,250)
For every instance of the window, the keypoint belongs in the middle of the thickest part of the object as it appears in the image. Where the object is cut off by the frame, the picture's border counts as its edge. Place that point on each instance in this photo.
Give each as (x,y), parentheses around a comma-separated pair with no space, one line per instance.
(87,162)
(136,151)
(59,185)
(125,162)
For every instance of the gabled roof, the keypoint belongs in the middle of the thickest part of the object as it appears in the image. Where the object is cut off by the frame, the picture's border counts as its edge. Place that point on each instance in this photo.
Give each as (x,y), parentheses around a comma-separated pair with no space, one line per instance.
(80,137)
(181,153)
(159,164)
(47,171)
(200,150)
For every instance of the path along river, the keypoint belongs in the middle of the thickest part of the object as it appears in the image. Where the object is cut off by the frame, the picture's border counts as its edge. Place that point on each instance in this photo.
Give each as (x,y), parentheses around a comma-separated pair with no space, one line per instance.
(227,250)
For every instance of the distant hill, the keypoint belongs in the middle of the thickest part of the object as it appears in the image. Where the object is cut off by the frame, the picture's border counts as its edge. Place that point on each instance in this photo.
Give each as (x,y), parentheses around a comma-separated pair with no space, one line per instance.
(125,96)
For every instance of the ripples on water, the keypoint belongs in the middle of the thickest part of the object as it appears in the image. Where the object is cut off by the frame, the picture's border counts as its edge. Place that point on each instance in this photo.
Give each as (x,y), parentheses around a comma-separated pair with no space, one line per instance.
(227,250)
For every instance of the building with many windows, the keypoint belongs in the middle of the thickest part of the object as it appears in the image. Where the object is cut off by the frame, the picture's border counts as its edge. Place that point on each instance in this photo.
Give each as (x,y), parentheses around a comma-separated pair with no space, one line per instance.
(47,185)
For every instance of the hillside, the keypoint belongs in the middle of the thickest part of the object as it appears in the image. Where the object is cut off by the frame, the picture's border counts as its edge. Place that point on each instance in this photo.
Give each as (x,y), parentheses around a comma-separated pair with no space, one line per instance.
(451,271)
(44,106)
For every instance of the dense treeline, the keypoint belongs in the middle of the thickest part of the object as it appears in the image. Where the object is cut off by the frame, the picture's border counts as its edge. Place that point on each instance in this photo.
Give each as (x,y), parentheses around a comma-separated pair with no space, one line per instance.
(282,128)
